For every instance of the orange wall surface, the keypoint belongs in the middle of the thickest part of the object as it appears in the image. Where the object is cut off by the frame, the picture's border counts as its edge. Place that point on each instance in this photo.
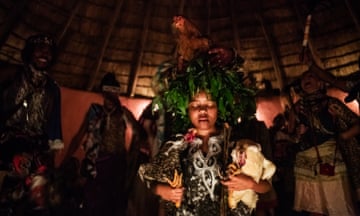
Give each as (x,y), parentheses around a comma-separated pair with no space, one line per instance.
(75,103)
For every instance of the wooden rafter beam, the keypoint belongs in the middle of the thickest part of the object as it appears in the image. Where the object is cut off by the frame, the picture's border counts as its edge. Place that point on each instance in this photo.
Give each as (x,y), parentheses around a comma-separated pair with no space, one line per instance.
(138,55)
(314,53)
(104,44)
(279,73)
(12,20)
(353,15)
(181,7)
(74,11)
(234,23)
(208,28)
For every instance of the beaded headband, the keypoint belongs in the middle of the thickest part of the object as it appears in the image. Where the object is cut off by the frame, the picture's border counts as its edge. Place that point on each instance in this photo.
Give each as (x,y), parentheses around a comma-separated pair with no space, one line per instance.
(111,89)
(41,39)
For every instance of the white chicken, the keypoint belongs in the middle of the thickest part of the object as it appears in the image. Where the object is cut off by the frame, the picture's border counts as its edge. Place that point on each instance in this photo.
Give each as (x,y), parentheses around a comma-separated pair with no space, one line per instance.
(248,159)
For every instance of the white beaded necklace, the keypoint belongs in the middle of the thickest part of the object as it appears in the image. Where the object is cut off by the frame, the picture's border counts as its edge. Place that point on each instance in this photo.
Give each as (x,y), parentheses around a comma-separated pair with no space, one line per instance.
(108,114)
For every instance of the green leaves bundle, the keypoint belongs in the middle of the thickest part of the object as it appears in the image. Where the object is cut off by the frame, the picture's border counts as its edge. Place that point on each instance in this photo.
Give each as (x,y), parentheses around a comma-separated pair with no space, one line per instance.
(225,85)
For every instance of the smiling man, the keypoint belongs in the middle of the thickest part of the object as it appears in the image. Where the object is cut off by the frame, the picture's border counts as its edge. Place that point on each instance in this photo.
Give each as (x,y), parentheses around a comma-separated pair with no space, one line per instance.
(30,123)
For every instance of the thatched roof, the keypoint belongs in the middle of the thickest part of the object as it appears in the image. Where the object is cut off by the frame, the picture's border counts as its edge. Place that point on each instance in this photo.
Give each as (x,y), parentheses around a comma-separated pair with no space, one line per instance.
(132,37)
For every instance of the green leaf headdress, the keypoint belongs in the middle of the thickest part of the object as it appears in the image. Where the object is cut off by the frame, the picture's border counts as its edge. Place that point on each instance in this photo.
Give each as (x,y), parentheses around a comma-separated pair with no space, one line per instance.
(233,99)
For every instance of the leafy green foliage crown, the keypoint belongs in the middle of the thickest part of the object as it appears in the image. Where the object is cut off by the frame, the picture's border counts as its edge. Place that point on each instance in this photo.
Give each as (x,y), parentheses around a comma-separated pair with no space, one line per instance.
(225,85)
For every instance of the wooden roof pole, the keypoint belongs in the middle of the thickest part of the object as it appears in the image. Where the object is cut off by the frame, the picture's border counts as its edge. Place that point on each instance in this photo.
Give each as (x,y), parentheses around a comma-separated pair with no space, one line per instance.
(353,16)
(69,21)
(234,23)
(314,53)
(279,73)
(138,55)
(12,20)
(208,29)
(105,42)
(181,7)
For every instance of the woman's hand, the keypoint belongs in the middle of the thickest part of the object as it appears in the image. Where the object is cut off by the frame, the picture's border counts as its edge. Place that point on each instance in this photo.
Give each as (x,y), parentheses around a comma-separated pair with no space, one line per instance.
(166,192)
(239,182)
(243,182)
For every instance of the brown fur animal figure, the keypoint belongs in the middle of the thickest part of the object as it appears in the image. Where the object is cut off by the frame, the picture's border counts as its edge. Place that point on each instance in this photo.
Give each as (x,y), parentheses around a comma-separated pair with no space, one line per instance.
(189,40)
(248,159)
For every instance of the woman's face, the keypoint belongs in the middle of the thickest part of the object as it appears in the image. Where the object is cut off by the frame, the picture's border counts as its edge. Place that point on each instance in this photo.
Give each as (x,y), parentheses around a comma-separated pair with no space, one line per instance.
(203,112)
(310,83)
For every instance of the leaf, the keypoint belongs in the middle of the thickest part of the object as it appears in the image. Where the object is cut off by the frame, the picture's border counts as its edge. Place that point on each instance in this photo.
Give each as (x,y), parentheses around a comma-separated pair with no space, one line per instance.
(233,99)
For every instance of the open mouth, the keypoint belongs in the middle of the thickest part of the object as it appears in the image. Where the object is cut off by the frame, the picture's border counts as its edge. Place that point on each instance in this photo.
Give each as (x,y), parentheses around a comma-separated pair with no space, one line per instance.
(42,60)
(203,120)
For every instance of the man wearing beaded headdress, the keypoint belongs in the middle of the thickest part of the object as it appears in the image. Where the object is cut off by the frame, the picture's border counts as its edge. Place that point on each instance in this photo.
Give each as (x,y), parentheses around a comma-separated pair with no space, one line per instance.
(202,95)
(110,162)
(30,118)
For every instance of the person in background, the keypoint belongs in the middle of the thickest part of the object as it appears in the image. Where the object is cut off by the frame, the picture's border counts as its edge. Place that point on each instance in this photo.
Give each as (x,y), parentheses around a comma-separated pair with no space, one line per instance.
(111,138)
(284,158)
(142,201)
(327,151)
(30,126)
(149,120)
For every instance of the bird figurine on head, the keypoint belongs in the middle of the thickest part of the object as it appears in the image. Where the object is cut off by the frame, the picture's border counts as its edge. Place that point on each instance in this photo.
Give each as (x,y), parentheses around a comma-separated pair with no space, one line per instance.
(248,159)
(190,42)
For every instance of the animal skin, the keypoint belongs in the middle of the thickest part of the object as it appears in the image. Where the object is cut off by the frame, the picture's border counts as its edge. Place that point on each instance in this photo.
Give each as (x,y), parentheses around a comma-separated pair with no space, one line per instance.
(189,40)
(248,159)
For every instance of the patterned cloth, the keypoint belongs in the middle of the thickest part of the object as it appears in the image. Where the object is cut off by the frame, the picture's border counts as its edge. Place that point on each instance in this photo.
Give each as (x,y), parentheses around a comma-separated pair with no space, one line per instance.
(201,173)
(323,127)
(105,164)
(106,136)
(315,192)
(31,107)
(30,126)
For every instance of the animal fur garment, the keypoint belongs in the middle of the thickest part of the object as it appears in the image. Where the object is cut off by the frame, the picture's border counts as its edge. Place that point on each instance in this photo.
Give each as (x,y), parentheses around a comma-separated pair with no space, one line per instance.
(248,159)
